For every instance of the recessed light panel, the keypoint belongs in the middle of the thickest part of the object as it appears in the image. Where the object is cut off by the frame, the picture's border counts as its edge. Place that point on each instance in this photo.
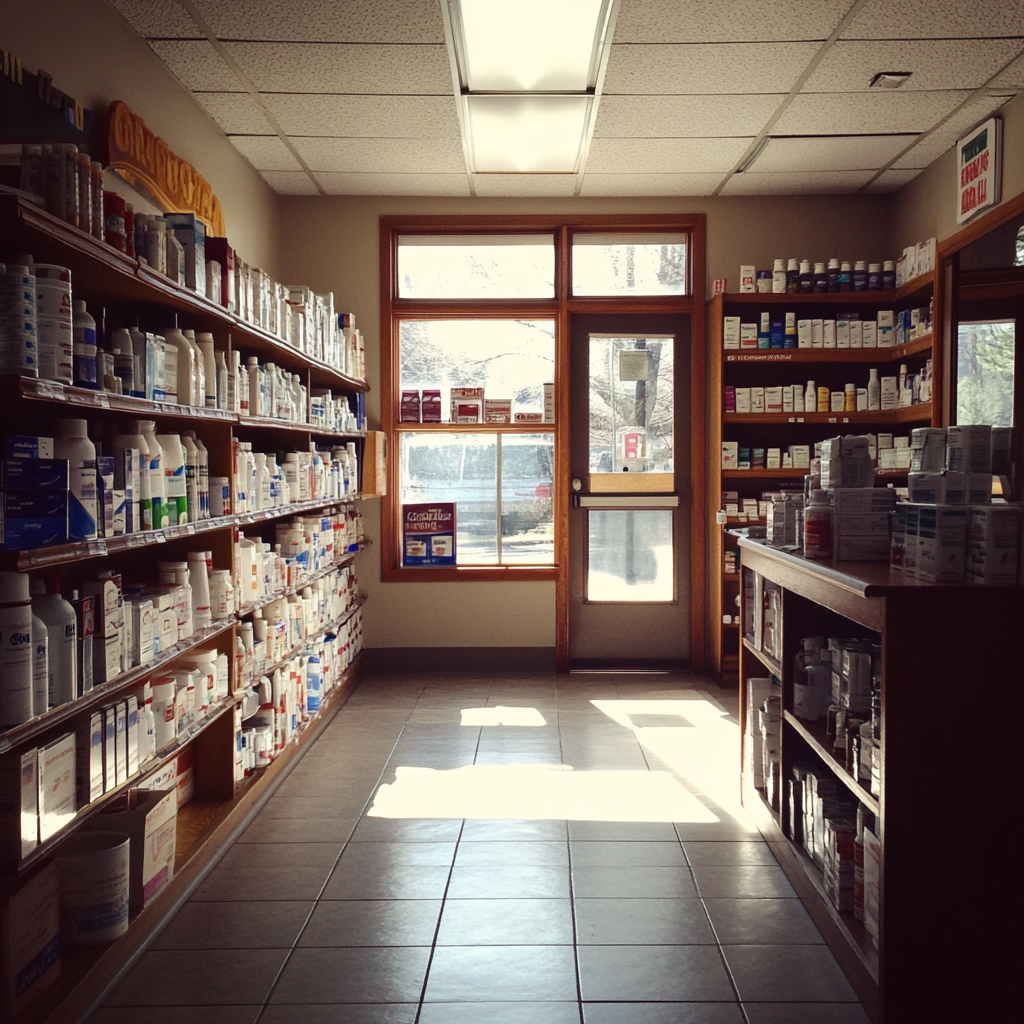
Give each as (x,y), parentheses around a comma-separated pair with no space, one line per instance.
(526,134)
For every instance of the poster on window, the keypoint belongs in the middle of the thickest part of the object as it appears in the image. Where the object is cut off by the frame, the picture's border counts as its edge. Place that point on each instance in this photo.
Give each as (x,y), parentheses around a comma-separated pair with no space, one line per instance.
(428,534)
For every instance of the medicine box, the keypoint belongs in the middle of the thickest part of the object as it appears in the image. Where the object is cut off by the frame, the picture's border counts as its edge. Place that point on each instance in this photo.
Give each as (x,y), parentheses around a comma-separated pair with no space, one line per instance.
(430,404)
(19,804)
(731,332)
(748,335)
(409,410)
(56,785)
(941,543)
(969,449)
(498,410)
(35,474)
(992,545)
(89,758)
(25,446)
(730,455)
(29,939)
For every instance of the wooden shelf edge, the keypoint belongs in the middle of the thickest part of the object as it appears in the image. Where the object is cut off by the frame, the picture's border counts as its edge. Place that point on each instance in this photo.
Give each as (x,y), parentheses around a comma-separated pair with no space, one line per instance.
(815,743)
(921,284)
(842,356)
(769,663)
(83,996)
(879,417)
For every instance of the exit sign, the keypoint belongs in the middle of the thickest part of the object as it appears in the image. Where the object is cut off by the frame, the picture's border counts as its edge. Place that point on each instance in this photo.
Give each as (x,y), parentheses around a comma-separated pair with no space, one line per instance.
(979,174)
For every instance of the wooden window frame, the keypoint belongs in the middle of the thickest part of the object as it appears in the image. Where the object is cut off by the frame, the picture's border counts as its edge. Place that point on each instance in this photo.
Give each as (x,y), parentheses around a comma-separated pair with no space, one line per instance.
(560,308)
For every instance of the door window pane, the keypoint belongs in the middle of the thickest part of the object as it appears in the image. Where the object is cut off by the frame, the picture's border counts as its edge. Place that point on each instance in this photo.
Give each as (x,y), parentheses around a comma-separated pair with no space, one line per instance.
(984,373)
(632,412)
(476,267)
(629,555)
(629,264)
(510,359)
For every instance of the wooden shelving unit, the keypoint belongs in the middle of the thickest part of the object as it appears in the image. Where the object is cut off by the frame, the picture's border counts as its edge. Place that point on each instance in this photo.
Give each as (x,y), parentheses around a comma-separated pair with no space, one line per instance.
(947,887)
(121,291)
(779,430)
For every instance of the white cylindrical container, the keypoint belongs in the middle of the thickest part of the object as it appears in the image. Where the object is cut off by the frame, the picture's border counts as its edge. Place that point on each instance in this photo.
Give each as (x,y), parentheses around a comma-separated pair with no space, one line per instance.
(93,888)
(62,628)
(818,526)
(222,594)
(220,496)
(19,348)
(131,437)
(205,342)
(147,729)
(54,331)
(197,369)
(40,665)
(16,649)
(157,484)
(191,475)
(83,329)
(71,442)
(164,712)
(197,574)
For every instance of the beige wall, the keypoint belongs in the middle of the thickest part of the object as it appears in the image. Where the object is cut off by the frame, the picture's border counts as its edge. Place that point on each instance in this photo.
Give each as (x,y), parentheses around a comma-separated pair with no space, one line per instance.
(332,244)
(926,207)
(96,57)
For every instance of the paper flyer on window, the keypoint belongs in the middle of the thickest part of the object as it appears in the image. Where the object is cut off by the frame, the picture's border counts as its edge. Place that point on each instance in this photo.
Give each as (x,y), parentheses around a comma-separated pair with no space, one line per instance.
(428,534)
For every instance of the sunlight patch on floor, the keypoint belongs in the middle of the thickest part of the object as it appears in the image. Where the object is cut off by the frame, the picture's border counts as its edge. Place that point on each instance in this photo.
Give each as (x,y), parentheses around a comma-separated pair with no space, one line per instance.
(501,715)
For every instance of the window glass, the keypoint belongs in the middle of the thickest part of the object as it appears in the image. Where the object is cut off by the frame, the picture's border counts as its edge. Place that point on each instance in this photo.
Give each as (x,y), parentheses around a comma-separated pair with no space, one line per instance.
(510,359)
(629,555)
(476,267)
(984,373)
(629,264)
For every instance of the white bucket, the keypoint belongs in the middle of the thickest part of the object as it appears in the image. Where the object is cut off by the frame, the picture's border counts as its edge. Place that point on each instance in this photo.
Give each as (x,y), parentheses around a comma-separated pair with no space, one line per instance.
(93,888)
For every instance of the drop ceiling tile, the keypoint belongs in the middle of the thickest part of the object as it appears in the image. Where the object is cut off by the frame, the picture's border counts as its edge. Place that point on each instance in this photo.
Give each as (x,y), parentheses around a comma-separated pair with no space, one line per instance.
(344,68)
(665,156)
(628,185)
(235,112)
(550,186)
(372,117)
(935,63)
(290,183)
(873,113)
(890,181)
(354,21)
(659,117)
(266,152)
(394,184)
(1012,77)
(197,65)
(711,21)
(158,19)
(831,153)
(706,68)
(779,183)
(936,19)
(382,156)
(945,136)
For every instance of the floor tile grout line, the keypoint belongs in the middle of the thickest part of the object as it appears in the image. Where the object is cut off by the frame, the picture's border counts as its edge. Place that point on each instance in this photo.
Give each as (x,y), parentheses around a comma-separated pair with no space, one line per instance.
(334,866)
(572,891)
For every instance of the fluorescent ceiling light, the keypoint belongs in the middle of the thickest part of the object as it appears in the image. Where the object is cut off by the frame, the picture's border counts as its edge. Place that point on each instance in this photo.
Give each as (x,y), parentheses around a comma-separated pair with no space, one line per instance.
(829,153)
(526,134)
(529,45)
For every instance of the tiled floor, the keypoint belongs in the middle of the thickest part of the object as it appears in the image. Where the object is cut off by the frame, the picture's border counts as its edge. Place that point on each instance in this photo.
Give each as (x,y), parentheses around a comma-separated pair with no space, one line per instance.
(440,914)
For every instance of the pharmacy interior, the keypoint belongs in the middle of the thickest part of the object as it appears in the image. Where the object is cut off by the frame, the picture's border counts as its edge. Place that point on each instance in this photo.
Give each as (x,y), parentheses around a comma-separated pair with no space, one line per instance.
(244,424)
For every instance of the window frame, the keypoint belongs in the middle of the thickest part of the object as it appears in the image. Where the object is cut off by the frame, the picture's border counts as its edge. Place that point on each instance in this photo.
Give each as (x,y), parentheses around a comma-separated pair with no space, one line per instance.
(395,309)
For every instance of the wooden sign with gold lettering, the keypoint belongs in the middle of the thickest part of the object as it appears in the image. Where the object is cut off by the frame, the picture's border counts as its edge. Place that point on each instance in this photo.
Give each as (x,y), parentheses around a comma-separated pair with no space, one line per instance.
(145,159)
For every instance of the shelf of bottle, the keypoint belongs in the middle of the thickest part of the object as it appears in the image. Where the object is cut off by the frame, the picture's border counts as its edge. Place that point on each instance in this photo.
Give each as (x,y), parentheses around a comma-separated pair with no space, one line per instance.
(875,417)
(766,659)
(287,592)
(145,771)
(813,734)
(101,547)
(882,476)
(114,276)
(38,390)
(916,286)
(893,354)
(477,428)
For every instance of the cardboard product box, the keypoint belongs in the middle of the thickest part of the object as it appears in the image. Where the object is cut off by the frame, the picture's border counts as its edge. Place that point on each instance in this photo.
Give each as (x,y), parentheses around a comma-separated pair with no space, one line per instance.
(85,628)
(862,500)
(856,334)
(757,400)
(801,455)
(35,474)
(25,446)
(467,405)
(191,233)
(870,333)
(184,777)
(928,488)
(498,410)
(773,399)
(430,406)
(928,449)
(19,804)
(758,690)
(743,400)
(109,748)
(885,321)
(773,458)
(788,398)
(57,804)
(860,524)
(30,939)
(828,334)
(872,884)
(1004,440)
(942,543)
(374,481)
(731,332)
(409,410)
(847,471)
(748,336)
(912,517)
(89,737)
(992,545)
(150,821)
(842,333)
(804,334)
(861,549)
(730,454)
(747,277)
(898,538)
(969,449)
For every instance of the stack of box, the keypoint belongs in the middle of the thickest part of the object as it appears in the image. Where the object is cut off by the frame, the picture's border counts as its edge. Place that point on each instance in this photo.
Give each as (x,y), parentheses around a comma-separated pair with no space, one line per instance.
(34,502)
(782,514)
(861,523)
(107,647)
(872,883)
(29,939)
(838,843)
(993,545)
(758,691)
(846,462)
(769,718)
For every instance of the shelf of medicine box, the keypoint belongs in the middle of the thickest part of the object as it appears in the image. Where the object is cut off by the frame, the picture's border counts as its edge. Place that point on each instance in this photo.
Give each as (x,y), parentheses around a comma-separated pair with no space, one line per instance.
(813,734)
(917,288)
(102,692)
(102,275)
(894,354)
(287,592)
(878,417)
(478,428)
(271,423)
(329,627)
(766,659)
(151,767)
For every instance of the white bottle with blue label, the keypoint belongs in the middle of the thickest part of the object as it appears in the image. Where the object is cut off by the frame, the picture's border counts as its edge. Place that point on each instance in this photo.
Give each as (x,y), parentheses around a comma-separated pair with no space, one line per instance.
(72,442)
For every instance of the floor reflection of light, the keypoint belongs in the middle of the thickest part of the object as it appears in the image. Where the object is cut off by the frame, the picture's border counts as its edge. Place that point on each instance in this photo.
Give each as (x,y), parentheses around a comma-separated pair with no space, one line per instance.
(502,716)
(703,747)
(537,792)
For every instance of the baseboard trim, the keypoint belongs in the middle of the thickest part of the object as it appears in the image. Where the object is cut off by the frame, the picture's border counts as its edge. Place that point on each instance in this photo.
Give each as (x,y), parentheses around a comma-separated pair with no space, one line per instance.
(459,659)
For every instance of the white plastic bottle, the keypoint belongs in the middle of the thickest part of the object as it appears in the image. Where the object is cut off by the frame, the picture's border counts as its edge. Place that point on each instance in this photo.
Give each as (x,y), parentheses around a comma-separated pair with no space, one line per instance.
(874,390)
(15,649)
(197,384)
(178,367)
(210,368)
(62,627)
(221,379)
(157,484)
(83,333)
(40,665)
(191,475)
(148,725)
(811,397)
(173,461)
(71,442)
(131,437)
(200,583)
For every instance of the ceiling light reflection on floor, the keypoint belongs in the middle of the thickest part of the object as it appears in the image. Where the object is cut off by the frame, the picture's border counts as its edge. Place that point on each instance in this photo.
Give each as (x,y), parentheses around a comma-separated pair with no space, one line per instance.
(535,792)
(501,715)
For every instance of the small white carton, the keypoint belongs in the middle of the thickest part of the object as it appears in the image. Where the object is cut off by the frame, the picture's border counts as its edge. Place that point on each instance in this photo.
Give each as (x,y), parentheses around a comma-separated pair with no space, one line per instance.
(56,785)
(969,449)
(89,758)
(731,332)
(19,804)
(992,545)
(941,543)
